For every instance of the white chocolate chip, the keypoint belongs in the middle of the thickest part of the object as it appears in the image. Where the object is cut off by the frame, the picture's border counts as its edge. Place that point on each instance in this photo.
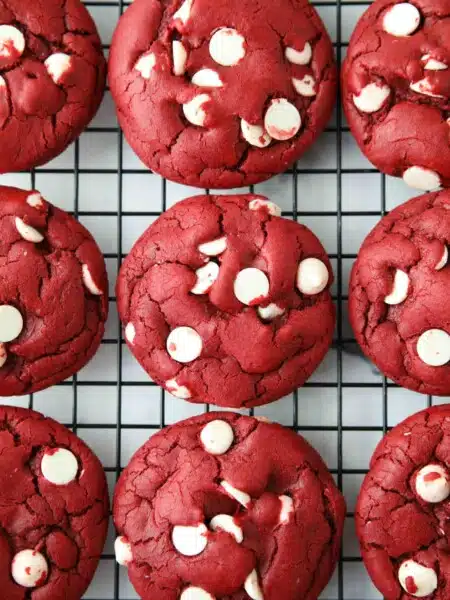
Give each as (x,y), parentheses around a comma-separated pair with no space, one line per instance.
(11,323)
(270,312)
(255,135)
(190,541)
(146,64)
(238,495)
(312,276)
(443,260)
(179,58)
(287,508)
(306,86)
(179,391)
(3,355)
(35,200)
(214,248)
(59,466)
(422,179)
(184,344)
(29,569)
(206,276)
(433,484)
(58,65)
(130,332)
(401,19)
(11,37)
(207,78)
(265,205)
(89,282)
(282,120)
(228,524)
(194,111)
(431,64)
(252,586)
(184,12)
(433,347)
(217,437)
(227,47)
(417,580)
(423,86)
(123,552)
(399,291)
(251,286)
(302,57)
(371,98)
(195,593)
(27,232)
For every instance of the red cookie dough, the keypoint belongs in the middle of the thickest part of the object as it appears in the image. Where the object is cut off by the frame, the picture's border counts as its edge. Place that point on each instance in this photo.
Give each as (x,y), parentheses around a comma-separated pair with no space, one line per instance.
(52,79)
(398,298)
(54,509)
(53,293)
(225,302)
(223,503)
(396,89)
(402,511)
(222,93)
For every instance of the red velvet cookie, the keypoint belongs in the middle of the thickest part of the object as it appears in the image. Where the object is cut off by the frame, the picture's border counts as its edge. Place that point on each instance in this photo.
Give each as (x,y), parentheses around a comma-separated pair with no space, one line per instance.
(52,78)
(54,509)
(221,94)
(396,89)
(228,506)
(53,293)
(402,511)
(398,298)
(224,301)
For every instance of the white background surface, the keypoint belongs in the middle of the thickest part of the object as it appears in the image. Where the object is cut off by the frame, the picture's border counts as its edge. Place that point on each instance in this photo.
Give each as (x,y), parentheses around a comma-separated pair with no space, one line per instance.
(342,411)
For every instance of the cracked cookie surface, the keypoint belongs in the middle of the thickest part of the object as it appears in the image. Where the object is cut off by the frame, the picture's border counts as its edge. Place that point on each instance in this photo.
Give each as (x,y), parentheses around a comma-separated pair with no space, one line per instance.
(53,293)
(53,517)
(221,94)
(223,301)
(398,296)
(52,79)
(396,90)
(228,506)
(402,510)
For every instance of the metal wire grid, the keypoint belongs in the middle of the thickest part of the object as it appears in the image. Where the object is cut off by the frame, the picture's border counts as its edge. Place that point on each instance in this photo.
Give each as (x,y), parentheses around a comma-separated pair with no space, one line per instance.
(343,410)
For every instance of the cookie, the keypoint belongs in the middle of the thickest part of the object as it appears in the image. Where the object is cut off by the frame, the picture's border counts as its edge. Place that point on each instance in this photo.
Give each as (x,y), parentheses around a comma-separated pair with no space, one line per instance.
(224,301)
(398,297)
(227,506)
(52,79)
(54,509)
(402,509)
(221,94)
(53,293)
(396,88)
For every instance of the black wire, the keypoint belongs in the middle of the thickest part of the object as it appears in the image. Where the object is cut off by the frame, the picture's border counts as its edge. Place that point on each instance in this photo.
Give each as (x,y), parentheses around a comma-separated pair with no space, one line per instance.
(120,5)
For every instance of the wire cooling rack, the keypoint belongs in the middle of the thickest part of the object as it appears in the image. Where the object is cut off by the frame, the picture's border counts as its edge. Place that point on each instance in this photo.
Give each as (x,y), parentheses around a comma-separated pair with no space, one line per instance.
(346,406)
